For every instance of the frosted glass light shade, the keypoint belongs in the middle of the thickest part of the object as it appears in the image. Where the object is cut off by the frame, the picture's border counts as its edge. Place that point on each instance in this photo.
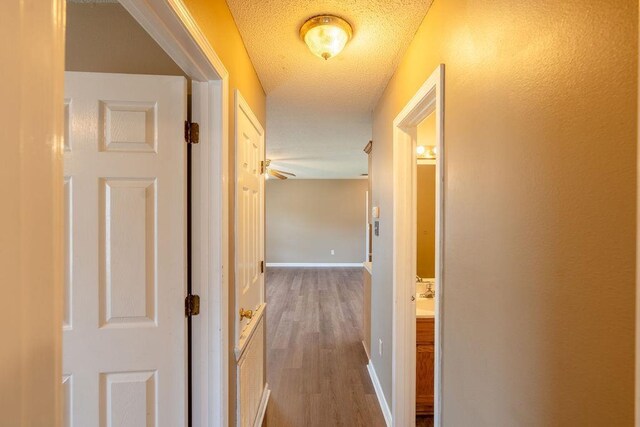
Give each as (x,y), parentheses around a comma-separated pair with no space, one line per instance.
(326,35)
(426,152)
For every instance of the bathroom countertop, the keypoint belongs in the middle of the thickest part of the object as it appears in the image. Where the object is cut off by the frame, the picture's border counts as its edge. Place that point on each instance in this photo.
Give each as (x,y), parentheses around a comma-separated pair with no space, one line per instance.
(425,308)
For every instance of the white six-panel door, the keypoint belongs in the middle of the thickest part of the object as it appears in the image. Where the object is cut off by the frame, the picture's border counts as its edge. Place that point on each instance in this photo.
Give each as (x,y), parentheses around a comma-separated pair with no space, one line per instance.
(249,211)
(249,239)
(124,325)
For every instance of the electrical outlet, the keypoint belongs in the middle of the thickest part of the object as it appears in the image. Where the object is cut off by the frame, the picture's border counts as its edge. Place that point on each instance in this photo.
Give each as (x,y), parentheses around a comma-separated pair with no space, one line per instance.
(333,252)
(379,347)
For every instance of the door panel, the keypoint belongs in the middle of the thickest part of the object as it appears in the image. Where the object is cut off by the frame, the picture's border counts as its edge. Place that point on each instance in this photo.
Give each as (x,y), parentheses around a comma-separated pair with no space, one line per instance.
(252,392)
(125,187)
(127,246)
(249,213)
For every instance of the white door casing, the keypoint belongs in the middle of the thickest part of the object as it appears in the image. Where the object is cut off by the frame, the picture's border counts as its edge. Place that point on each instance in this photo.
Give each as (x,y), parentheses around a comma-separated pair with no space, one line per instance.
(427,100)
(172,26)
(124,360)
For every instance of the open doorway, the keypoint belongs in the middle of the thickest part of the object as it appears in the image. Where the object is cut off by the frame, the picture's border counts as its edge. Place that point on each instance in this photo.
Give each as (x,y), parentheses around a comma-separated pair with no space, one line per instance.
(136,73)
(422,118)
(425,269)
(316,291)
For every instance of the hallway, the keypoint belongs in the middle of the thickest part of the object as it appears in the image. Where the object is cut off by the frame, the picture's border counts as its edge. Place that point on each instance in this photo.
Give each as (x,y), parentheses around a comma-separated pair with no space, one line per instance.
(316,363)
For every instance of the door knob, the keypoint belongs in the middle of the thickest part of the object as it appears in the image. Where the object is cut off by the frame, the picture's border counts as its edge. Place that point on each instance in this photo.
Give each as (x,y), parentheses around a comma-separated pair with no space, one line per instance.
(245,314)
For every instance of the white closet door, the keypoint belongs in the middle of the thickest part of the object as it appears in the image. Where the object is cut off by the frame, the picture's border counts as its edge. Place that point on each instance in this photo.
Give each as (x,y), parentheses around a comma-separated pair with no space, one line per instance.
(125,190)
(249,213)
(249,240)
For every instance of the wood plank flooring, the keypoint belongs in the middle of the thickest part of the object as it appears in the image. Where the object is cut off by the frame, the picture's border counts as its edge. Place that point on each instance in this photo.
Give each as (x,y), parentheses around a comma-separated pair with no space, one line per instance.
(316,365)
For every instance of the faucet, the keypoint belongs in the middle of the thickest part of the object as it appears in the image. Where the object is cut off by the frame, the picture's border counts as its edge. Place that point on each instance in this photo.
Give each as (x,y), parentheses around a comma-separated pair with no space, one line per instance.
(429,293)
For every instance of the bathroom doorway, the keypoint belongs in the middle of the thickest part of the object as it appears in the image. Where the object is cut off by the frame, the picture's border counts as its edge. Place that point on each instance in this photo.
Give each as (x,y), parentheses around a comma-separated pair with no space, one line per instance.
(426,245)
(422,115)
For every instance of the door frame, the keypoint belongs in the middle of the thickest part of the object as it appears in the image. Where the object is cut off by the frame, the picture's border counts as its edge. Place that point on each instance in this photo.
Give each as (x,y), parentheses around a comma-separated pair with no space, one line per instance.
(428,99)
(171,25)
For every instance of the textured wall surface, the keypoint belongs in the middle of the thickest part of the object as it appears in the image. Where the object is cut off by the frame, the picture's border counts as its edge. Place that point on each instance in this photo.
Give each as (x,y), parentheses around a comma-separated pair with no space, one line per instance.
(540,136)
(320,111)
(307,218)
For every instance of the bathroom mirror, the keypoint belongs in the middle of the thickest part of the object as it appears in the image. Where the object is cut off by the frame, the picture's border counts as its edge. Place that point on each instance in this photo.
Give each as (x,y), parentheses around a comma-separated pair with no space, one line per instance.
(426,198)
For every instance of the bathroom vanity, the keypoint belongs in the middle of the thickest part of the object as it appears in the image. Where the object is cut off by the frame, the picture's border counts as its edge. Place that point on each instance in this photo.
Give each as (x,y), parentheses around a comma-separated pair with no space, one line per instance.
(425,355)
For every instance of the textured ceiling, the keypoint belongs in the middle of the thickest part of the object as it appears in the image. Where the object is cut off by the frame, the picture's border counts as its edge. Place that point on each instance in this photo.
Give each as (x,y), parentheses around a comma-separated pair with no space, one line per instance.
(319,112)
(92,1)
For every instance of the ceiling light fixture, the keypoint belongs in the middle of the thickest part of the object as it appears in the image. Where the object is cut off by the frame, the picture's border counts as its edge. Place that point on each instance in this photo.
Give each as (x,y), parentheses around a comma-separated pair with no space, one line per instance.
(326,35)
(426,152)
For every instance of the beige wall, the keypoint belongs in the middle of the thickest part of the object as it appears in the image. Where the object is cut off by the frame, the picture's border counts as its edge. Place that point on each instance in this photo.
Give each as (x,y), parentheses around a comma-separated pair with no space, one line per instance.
(105,38)
(540,208)
(306,218)
(426,221)
(216,21)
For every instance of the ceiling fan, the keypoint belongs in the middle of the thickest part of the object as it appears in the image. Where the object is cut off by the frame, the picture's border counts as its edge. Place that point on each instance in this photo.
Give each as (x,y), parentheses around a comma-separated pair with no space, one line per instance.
(280,174)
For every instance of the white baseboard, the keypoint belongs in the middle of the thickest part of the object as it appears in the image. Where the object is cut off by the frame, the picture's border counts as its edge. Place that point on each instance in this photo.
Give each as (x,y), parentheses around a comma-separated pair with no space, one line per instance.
(383,402)
(314,264)
(262,409)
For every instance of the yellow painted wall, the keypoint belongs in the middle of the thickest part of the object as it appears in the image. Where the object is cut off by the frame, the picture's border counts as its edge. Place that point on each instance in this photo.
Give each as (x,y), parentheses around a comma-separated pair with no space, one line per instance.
(216,22)
(427,131)
(540,137)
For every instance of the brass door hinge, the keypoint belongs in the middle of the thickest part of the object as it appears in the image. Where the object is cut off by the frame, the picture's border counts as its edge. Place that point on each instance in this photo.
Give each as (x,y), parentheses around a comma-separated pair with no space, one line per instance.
(191,132)
(192,305)
(261,266)
(262,167)
(246,314)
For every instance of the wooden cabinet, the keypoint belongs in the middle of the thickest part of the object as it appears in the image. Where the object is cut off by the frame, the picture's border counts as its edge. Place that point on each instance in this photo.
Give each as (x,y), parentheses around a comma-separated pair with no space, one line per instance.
(425,365)
(366,315)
